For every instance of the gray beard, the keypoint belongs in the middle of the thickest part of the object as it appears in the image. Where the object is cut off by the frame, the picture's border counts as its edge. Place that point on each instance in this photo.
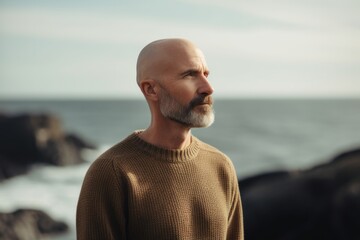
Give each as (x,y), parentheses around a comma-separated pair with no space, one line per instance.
(185,115)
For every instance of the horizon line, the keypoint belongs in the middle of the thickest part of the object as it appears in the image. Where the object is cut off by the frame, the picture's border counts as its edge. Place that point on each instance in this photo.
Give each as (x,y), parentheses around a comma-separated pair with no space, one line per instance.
(119,98)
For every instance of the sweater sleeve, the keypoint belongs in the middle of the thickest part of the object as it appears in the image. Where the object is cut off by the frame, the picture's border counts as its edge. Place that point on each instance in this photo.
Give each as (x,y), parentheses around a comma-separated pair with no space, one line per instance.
(101,206)
(235,219)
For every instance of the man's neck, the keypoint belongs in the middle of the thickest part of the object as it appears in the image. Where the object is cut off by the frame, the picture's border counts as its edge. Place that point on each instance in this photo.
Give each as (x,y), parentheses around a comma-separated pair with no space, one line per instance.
(169,137)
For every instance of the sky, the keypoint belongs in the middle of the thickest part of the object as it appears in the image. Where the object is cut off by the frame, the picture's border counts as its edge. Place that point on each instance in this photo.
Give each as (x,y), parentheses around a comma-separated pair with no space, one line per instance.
(254,48)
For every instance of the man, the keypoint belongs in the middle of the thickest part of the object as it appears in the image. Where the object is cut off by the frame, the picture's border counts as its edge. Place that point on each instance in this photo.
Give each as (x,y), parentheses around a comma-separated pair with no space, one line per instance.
(162,182)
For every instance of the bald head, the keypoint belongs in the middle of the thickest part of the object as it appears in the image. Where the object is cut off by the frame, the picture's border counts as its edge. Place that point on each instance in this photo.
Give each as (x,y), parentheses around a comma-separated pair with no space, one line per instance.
(156,57)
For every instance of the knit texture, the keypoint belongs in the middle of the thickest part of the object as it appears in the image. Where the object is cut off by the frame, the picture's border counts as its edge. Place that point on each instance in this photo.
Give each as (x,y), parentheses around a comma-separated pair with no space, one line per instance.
(136,190)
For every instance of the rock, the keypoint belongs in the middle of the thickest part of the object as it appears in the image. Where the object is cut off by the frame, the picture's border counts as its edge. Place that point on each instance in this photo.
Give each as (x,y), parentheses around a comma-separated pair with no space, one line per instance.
(347,211)
(322,202)
(36,138)
(29,224)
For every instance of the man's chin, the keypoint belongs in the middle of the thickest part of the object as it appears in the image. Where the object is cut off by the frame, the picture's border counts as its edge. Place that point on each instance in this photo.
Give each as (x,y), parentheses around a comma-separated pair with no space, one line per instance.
(205,120)
(197,120)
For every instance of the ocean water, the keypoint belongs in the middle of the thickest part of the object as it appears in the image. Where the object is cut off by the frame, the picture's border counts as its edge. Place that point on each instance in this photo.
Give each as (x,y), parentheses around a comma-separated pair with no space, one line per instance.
(258,135)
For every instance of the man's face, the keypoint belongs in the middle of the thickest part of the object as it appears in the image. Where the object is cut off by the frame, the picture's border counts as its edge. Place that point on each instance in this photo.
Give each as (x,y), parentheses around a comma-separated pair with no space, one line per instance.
(197,113)
(181,73)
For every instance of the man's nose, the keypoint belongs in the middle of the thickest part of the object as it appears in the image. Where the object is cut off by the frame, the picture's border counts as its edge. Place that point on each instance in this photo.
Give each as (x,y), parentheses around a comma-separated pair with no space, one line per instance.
(205,87)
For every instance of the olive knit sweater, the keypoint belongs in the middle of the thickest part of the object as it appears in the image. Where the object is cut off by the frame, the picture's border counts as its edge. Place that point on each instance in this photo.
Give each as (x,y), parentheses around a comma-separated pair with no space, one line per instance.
(136,190)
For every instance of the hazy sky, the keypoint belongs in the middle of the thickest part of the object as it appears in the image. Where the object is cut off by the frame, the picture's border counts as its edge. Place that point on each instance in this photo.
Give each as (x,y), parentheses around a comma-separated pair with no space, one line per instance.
(254,48)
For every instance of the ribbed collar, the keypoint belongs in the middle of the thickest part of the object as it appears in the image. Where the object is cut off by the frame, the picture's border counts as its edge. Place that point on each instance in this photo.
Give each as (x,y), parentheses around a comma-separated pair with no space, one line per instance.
(169,155)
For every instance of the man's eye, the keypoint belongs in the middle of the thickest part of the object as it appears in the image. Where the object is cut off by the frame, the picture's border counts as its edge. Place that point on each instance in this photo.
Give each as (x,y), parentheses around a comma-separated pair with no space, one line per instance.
(190,74)
(193,73)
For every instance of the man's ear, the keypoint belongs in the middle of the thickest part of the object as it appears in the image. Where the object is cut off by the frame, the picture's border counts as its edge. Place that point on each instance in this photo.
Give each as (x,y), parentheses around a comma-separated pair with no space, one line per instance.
(149,89)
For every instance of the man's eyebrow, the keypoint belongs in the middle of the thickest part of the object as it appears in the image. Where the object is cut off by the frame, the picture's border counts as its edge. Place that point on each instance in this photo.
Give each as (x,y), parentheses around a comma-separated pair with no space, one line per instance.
(193,70)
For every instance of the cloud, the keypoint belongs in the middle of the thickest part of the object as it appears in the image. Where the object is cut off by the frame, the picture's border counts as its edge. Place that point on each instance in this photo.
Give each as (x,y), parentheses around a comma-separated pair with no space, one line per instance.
(305,13)
(65,25)
(269,44)
(301,49)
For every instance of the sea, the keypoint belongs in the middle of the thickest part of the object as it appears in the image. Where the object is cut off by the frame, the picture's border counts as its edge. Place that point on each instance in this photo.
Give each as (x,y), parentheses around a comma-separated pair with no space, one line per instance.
(259,135)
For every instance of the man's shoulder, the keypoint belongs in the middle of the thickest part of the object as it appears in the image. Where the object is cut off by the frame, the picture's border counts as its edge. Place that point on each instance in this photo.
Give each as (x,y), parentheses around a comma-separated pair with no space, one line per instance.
(207,147)
(216,157)
(121,150)
(113,151)
(125,146)
(212,150)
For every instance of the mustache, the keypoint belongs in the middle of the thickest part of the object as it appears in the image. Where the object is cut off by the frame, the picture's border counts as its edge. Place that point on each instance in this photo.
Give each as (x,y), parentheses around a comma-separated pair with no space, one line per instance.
(201,99)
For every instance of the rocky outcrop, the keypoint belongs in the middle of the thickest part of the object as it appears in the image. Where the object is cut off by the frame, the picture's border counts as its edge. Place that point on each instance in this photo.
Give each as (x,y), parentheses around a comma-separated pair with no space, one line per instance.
(36,138)
(318,203)
(29,224)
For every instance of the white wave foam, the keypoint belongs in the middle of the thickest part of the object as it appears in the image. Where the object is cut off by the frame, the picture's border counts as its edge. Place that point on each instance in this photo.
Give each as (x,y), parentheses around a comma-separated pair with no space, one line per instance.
(52,189)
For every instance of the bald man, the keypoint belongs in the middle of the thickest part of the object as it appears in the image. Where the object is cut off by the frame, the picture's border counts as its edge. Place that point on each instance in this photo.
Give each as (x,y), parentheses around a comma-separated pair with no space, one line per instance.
(163,182)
